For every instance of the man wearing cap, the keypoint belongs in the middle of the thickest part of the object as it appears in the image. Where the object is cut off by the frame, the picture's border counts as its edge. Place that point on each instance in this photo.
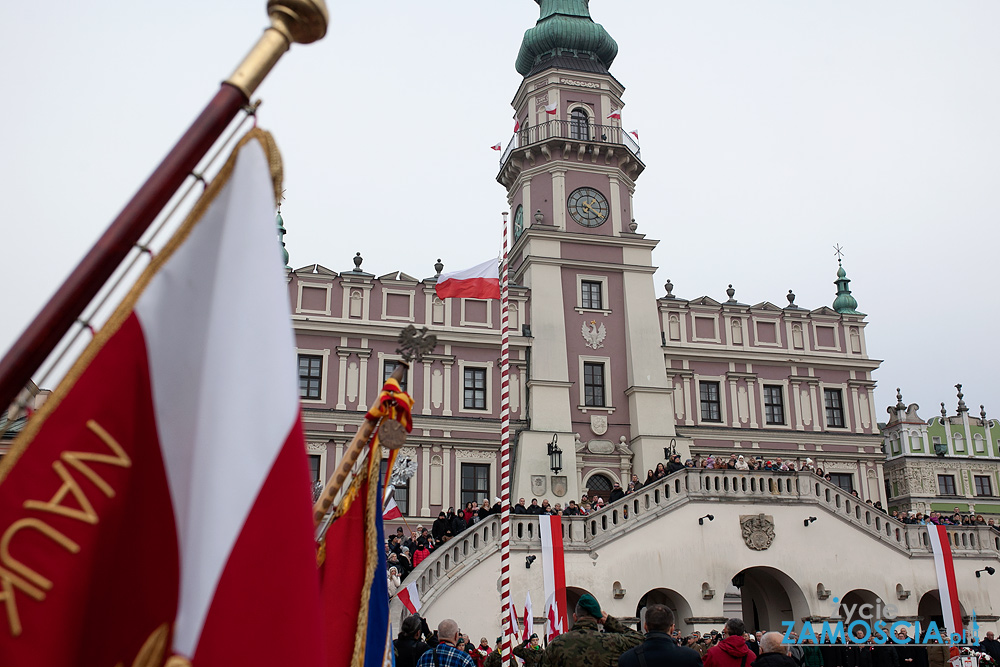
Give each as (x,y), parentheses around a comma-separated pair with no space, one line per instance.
(617,493)
(585,645)
(531,652)
(659,649)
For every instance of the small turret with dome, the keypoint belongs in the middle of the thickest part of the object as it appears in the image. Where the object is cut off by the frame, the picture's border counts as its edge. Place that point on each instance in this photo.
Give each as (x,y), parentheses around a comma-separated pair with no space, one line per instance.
(566,36)
(845,304)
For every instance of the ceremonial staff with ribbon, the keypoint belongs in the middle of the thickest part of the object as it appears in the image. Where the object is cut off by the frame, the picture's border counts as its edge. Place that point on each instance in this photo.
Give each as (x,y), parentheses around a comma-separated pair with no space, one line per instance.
(298,21)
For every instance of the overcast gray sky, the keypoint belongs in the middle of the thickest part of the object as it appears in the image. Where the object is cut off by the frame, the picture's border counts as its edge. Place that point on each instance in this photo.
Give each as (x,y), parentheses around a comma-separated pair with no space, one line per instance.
(771,130)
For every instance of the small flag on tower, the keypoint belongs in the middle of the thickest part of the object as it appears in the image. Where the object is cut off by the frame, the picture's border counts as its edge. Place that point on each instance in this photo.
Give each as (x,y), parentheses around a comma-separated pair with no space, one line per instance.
(479,282)
(551,108)
(410,597)
(617,114)
(635,133)
(517,125)
(497,147)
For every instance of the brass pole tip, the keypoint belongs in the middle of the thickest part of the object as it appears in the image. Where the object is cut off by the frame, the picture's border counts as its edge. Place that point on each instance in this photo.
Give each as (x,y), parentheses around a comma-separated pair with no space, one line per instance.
(303,21)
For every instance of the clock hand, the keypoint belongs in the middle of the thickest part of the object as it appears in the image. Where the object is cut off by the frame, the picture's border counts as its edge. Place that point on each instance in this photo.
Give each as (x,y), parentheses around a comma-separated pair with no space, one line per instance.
(586,205)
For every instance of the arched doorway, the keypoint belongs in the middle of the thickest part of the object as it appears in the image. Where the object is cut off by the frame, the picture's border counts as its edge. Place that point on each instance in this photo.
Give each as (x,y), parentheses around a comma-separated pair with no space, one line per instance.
(599,485)
(673,601)
(861,603)
(929,609)
(768,597)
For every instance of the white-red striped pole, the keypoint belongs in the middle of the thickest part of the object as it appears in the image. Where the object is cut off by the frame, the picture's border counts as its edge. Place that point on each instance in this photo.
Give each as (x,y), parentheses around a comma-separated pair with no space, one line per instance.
(505,603)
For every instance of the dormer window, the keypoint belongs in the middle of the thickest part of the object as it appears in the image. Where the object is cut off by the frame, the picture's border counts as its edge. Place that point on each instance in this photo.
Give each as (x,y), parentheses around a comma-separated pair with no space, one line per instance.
(579,125)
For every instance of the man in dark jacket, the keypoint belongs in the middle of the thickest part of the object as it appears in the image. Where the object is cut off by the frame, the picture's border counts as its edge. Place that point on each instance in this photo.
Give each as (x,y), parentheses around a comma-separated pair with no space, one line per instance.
(534,507)
(773,653)
(989,645)
(731,651)
(617,493)
(674,464)
(408,647)
(659,648)
(441,526)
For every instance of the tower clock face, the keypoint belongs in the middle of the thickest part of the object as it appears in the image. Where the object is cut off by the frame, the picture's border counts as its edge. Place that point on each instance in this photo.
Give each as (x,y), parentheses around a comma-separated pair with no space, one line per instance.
(518,222)
(588,207)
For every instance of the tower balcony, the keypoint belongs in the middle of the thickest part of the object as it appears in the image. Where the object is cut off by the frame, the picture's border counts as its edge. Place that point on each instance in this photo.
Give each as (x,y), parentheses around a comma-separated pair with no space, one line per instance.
(574,140)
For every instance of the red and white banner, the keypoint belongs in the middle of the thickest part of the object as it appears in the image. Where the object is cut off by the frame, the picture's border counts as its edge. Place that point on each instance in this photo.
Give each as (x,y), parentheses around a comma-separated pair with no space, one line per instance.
(947,589)
(553,573)
(551,108)
(178,436)
(410,597)
(517,125)
(479,282)
(497,147)
(635,133)
(391,510)
(616,114)
(529,620)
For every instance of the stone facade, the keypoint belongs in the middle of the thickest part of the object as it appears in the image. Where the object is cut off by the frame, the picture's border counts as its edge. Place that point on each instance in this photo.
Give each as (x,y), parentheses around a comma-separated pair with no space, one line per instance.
(944,462)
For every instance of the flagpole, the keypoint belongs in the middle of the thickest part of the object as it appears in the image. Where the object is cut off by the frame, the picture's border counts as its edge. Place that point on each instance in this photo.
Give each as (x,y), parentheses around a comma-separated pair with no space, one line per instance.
(505,603)
(301,21)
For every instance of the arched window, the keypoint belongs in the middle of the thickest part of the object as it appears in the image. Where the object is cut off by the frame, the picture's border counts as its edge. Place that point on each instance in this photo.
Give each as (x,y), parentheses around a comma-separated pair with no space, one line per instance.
(579,125)
(599,485)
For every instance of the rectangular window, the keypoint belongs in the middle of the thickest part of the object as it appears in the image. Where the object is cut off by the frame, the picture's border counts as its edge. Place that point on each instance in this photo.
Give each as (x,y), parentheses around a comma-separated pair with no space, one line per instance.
(591,294)
(774,404)
(402,493)
(388,366)
(475,389)
(475,482)
(710,407)
(843,480)
(310,376)
(314,471)
(983,485)
(593,384)
(946,485)
(834,407)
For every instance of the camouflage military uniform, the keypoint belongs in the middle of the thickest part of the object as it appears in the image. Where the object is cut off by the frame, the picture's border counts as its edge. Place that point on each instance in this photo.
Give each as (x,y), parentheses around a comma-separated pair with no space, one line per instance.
(586,646)
(494,660)
(533,657)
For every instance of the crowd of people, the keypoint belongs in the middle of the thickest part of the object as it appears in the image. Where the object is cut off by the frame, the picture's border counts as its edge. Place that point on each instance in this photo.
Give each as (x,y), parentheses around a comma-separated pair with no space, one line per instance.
(597,639)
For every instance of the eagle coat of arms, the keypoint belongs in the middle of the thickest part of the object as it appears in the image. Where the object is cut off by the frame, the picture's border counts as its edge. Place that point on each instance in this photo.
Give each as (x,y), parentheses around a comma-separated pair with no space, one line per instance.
(594,335)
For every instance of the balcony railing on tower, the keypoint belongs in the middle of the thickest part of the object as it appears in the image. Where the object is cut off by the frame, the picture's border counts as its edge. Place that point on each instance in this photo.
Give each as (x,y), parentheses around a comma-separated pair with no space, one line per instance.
(571,129)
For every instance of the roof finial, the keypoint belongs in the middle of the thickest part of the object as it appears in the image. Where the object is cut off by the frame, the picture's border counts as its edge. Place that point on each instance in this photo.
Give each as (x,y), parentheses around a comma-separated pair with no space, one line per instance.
(845,304)
(944,412)
(982,413)
(962,407)
(281,229)
(731,293)
(438,268)
(357,262)
(669,286)
(899,400)
(791,298)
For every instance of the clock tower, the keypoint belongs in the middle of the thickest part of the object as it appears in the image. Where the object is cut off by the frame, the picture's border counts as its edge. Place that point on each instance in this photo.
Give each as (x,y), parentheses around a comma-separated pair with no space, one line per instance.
(596,368)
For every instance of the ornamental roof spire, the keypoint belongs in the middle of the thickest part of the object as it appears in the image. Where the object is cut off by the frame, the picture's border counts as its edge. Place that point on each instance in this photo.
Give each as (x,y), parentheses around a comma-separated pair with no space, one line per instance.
(845,304)
(566,36)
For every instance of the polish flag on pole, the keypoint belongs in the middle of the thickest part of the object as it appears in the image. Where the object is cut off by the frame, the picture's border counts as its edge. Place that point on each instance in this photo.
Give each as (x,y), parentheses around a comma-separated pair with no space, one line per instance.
(148,492)
(529,621)
(947,587)
(480,282)
(391,510)
(616,114)
(410,597)
(553,571)
(553,619)
(551,108)
(517,125)
(498,147)
(513,621)
(635,133)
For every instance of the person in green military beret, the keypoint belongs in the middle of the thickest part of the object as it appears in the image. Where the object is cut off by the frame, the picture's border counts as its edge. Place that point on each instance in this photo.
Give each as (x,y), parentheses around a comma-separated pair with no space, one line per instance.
(585,645)
(531,652)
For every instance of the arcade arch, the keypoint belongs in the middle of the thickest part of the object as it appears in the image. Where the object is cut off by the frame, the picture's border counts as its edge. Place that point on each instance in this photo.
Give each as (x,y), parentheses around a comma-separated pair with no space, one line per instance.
(768,596)
(573,595)
(673,601)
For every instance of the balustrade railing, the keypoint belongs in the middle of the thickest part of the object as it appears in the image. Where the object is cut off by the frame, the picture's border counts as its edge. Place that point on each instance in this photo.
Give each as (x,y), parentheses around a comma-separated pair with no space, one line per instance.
(568,129)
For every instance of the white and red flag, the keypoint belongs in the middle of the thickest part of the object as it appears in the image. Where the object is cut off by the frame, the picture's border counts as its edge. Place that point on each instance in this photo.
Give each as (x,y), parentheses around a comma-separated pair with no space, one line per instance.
(635,133)
(479,282)
(551,108)
(517,125)
(144,500)
(553,573)
(947,588)
(410,597)
(391,510)
(496,147)
(529,620)
(616,114)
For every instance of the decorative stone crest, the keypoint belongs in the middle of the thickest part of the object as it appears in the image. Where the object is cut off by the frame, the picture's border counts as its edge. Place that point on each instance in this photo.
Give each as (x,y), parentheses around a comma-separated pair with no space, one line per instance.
(604,447)
(599,424)
(560,484)
(538,485)
(758,531)
(594,336)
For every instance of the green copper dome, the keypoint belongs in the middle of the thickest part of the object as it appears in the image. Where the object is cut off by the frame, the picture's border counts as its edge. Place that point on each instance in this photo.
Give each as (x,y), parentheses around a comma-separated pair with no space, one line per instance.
(844,304)
(565,25)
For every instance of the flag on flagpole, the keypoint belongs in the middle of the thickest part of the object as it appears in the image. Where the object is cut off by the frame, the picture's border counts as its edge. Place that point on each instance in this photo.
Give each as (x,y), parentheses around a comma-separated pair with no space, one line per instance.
(479,282)
(410,597)
(497,147)
(947,588)
(517,125)
(513,622)
(529,620)
(635,133)
(616,114)
(391,510)
(185,465)
(553,619)
(551,108)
